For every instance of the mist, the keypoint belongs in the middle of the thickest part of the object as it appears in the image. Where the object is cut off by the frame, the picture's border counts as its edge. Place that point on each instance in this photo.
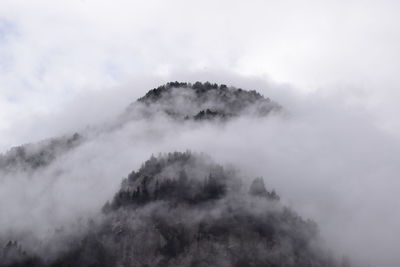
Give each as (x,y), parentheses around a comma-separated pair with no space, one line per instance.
(70,70)
(327,157)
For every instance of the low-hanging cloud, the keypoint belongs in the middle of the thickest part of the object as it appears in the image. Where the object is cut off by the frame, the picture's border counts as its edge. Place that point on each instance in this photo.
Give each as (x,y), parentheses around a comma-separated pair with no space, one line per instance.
(327,159)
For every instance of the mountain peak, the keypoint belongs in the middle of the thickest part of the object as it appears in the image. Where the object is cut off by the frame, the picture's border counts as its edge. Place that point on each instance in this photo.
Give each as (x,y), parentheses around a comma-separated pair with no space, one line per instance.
(203,101)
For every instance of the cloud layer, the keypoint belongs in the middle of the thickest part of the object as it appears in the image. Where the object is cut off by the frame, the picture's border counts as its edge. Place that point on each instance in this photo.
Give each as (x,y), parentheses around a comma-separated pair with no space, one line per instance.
(332,155)
(326,158)
(51,51)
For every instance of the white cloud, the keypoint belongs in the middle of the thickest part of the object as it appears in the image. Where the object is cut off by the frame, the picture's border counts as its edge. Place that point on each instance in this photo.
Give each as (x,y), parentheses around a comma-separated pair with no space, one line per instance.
(51,50)
(64,64)
(325,157)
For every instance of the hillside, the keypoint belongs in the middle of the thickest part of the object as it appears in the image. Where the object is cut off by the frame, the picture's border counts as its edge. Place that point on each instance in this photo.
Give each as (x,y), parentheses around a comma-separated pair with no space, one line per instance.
(177,100)
(202,101)
(183,209)
(34,156)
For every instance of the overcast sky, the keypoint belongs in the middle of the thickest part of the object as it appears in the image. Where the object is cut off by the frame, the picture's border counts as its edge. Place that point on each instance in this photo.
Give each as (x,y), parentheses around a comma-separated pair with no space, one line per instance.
(53,51)
(332,64)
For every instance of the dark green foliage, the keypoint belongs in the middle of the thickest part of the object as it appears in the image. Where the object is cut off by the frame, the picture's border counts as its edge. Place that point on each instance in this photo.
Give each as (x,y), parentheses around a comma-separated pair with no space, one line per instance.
(150,184)
(26,262)
(187,220)
(204,101)
(90,252)
(182,209)
(199,88)
(210,114)
(34,156)
(12,255)
(258,189)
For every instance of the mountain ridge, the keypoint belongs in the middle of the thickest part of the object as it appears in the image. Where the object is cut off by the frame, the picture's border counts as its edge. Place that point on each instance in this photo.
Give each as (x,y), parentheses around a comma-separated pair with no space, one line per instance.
(202,215)
(204,102)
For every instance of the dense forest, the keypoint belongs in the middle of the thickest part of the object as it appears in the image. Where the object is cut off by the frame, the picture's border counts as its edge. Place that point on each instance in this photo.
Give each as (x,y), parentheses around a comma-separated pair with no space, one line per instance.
(183,209)
(197,102)
(200,101)
(33,156)
(177,209)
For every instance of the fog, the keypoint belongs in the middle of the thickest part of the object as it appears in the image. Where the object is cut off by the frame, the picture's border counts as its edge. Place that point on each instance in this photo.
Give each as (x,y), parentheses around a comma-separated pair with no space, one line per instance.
(52,52)
(331,153)
(327,157)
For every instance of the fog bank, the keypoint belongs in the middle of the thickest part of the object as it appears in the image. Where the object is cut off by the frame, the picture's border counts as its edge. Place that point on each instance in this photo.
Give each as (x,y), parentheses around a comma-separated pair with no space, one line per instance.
(327,158)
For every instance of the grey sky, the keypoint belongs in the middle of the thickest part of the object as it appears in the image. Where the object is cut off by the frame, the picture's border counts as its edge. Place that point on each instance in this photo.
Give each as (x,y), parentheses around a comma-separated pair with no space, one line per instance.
(332,64)
(50,51)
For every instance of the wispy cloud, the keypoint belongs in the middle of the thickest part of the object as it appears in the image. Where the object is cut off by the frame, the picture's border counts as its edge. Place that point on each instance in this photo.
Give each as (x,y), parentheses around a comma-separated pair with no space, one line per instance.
(62,49)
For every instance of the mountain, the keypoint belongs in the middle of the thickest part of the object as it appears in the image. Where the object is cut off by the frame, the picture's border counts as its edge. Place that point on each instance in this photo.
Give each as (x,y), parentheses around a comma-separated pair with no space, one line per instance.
(33,156)
(177,100)
(183,209)
(177,209)
(202,101)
